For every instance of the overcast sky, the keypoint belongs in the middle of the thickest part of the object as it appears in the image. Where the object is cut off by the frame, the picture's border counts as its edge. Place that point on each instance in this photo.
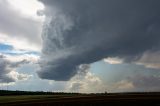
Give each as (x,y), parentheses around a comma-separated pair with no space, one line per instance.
(80,45)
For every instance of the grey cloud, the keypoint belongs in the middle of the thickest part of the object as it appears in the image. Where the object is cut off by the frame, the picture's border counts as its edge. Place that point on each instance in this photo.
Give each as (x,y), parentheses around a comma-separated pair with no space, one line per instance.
(145,83)
(81,32)
(19,63)
(15,25)
(76,86)
(4,71)
(150,59)
(6,67)
(138,83)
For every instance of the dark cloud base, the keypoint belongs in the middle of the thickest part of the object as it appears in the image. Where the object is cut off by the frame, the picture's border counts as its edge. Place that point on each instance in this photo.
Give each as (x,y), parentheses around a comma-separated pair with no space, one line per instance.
(82,32)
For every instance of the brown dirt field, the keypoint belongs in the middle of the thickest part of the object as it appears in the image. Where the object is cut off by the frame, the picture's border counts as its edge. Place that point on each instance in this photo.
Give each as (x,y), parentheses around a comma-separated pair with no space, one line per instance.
(88,100)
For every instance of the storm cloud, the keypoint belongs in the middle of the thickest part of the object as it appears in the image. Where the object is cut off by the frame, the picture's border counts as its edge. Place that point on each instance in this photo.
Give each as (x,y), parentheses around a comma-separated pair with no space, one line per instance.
(79,32)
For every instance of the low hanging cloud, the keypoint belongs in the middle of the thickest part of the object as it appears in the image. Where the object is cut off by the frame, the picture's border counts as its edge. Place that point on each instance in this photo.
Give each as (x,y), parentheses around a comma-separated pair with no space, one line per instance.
(138,83)
(8,72)
(150,60)
(79,32)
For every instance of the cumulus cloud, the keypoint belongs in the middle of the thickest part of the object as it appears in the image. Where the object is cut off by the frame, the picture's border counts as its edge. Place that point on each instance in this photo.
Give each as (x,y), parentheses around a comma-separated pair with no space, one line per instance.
(145,83)
(81,32)
(123,85)
(113,60)
(29,58)
(18,76)
(19,27)
(136,83)
(8,72)
(150,59)
(85,82)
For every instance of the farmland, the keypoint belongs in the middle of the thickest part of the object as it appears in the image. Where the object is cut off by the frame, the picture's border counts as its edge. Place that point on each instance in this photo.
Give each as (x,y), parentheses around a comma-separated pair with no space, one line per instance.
(68,99)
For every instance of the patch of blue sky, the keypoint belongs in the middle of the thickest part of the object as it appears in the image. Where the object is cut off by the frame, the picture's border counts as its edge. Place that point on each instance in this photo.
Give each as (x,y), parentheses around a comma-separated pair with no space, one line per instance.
(17,52)
(35,83)
(112,73)
(9,49)
(5,47)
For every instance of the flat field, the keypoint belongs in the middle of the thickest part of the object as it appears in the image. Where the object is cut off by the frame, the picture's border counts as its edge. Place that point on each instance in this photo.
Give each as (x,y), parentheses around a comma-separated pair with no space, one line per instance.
(119,99)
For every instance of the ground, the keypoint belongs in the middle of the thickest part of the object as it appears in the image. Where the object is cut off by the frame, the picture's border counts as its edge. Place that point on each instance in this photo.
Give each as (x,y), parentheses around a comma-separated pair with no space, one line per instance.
(61,99)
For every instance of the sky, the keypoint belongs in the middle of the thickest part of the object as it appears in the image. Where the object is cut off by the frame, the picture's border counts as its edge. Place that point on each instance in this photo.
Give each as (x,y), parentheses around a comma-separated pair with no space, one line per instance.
(88,46)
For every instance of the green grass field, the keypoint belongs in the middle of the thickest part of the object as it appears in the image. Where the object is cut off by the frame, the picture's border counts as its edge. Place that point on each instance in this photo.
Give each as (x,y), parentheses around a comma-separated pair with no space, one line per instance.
(20,98)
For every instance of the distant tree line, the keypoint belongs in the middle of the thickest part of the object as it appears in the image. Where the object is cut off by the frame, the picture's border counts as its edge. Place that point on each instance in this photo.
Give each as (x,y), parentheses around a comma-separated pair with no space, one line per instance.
(7,92)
